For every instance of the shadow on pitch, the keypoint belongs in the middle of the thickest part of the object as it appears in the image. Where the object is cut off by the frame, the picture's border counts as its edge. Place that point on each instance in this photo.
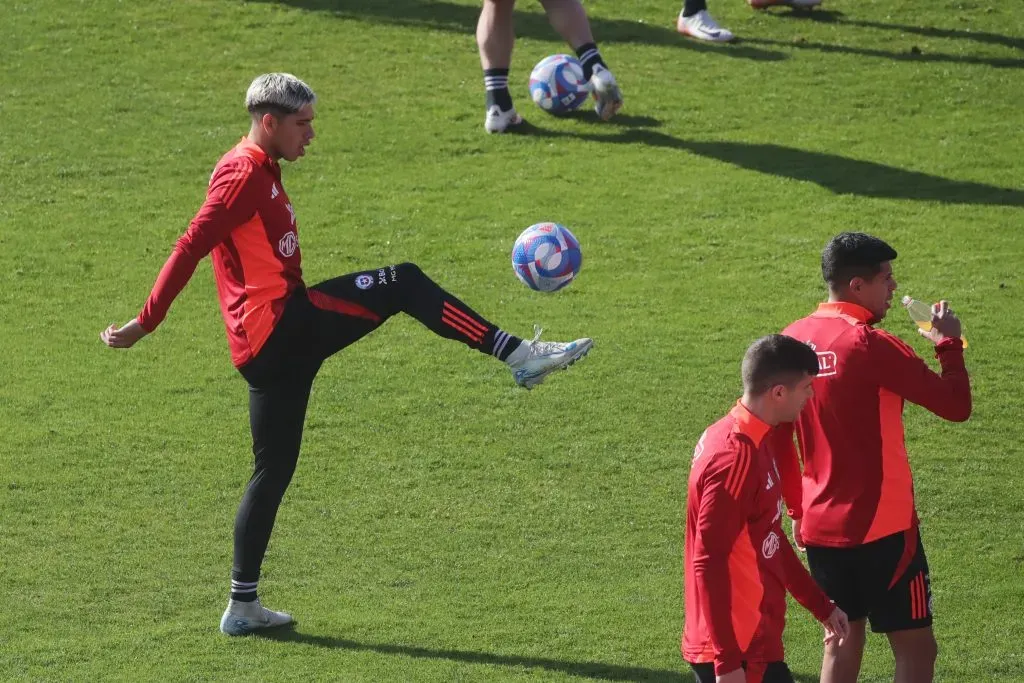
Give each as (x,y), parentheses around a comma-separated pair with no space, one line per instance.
(587,115)
(446,16)
(911,54)
(836,17)
(592,670)
(837,174)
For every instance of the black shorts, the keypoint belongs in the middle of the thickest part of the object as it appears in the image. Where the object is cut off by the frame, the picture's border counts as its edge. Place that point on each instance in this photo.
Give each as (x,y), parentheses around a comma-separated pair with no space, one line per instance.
(885,581)
(773,672)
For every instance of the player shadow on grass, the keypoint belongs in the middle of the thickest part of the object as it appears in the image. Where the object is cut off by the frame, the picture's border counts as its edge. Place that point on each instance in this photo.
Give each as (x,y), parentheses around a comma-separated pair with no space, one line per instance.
(837,17)
(592,670)
(835,173)
(911,53)
(446,16)
(622,120)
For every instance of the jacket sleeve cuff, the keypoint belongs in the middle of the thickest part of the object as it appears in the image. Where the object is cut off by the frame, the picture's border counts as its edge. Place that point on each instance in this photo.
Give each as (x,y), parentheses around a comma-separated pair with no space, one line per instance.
(824,609)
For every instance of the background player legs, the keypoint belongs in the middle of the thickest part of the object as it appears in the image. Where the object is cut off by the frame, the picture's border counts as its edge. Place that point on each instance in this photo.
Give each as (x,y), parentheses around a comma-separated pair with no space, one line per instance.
(841,664)
(495,38)
(495,34)
(915,651)
(570,20)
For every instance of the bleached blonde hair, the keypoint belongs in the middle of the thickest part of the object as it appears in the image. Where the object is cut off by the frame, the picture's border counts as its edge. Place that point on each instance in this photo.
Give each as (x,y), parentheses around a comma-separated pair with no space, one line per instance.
(279,94)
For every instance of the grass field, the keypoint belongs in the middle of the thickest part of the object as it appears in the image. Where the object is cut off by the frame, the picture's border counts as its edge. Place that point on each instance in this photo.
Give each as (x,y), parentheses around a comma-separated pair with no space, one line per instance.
(443,525)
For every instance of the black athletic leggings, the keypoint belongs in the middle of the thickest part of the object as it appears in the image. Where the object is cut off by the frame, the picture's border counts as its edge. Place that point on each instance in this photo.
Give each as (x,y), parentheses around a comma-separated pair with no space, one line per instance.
(317,323)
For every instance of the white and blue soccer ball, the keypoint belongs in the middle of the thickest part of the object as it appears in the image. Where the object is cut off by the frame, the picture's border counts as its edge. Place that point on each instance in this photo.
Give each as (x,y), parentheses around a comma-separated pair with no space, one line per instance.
(557,84)
(546,257)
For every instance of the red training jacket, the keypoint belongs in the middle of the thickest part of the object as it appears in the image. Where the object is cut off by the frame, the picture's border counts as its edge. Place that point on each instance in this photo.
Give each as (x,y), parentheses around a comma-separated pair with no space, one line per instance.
(739,563)
(856,485)
(249,224)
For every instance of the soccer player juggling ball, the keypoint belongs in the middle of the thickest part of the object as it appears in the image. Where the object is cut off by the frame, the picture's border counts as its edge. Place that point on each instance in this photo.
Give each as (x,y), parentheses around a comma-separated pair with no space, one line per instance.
(280,331)
(853,507)
(739,563)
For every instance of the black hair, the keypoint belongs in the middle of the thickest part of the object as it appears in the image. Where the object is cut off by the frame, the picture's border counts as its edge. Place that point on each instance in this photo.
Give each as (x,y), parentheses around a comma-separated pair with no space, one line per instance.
(853,254)
(777,359)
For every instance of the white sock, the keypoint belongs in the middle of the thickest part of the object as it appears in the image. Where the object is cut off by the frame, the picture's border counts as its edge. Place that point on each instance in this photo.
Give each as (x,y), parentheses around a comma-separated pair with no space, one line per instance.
(520,354)
(245,609)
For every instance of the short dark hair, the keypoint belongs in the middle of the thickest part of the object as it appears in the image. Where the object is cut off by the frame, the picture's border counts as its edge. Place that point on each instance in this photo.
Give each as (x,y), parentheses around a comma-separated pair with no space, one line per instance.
(853,254)
(777,359)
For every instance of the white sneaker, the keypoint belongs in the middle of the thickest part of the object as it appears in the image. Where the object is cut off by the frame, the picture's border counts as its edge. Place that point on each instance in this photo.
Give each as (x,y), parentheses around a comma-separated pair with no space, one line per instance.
(534,360)
(606,93)
(499,121)
(242,618)
(702,27)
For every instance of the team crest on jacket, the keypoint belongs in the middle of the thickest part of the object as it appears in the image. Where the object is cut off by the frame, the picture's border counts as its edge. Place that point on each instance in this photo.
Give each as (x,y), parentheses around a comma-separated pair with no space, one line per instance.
(770,545)
(364,281)
(288,244)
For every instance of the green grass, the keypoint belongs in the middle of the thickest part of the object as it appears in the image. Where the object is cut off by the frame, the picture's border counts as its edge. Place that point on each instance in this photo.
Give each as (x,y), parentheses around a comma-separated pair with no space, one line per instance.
(443,525)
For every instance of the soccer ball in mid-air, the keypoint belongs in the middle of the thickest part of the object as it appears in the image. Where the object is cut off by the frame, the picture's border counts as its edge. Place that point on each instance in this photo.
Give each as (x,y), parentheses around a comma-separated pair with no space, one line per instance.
(546,257)
(557,84)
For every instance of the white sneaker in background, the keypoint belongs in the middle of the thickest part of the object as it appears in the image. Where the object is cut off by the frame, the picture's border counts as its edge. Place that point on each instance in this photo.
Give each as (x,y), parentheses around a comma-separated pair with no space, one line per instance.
(606,92)
(702,27)
(499,121)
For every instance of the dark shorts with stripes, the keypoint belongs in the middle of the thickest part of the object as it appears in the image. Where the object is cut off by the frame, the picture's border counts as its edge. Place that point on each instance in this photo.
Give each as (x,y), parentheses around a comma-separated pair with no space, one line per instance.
(885,581)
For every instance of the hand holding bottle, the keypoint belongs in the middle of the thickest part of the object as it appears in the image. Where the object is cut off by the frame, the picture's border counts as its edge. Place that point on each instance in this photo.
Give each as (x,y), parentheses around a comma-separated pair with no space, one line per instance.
(935,322)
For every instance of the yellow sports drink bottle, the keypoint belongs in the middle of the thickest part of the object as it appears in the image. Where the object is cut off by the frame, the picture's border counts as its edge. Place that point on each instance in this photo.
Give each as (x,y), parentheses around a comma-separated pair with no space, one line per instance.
(921,314)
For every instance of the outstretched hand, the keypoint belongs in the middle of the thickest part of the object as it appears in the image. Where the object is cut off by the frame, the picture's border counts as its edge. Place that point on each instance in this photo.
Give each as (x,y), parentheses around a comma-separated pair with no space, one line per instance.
(837,627)
(123,337)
